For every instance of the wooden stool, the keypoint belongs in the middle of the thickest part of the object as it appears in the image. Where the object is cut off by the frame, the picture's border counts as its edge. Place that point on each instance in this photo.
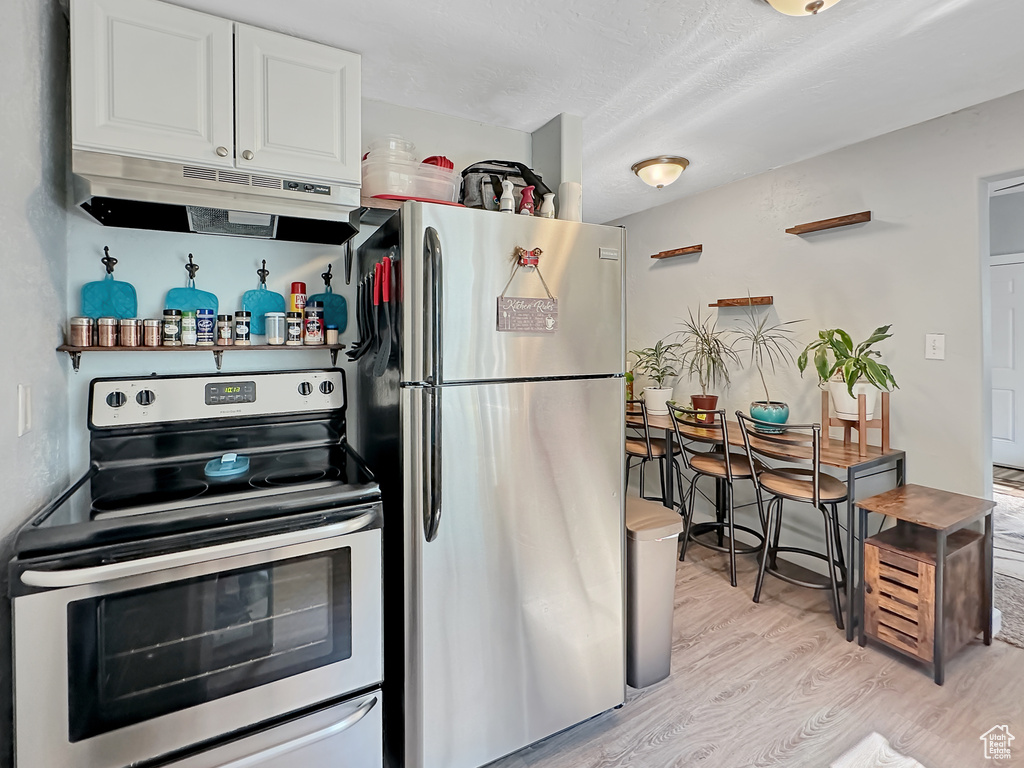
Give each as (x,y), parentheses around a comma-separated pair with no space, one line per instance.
(926,585)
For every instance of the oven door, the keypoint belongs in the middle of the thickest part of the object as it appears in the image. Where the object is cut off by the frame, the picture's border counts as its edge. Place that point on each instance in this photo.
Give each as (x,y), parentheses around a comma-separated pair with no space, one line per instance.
(124,662)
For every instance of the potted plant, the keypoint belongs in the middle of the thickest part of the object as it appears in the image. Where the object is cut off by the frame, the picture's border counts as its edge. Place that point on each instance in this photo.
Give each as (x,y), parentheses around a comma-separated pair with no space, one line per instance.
(849,370)
(769,345)
(706,353)
(659,363)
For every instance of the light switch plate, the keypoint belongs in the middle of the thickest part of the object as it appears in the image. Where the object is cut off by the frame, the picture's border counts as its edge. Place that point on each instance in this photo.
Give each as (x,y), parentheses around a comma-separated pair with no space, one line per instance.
(935,346)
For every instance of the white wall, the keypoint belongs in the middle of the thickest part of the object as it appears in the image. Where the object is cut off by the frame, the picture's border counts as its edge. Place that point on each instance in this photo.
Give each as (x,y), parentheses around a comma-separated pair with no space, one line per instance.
(917,265)
(33,37)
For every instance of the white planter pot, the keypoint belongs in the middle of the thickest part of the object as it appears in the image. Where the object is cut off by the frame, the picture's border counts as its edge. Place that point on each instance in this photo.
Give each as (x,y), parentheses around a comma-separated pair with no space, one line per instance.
(656,399)
(846,406)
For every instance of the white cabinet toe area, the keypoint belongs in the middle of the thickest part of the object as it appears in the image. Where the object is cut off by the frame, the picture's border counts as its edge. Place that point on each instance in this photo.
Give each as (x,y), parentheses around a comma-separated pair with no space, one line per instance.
(161,82)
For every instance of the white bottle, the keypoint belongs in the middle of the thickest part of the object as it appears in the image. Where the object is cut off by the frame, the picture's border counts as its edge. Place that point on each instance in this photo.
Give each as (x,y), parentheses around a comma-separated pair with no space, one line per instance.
(547,207)
(570,201)
(507,203)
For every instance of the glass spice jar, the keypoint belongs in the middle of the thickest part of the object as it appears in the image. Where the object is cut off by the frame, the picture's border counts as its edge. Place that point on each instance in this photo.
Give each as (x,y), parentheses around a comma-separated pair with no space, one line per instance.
(313,316)
(243,328)
(81,332)
(131,332)
(276,328)
(224,328)
(151,330)
(107,331)
(206,327)
(172,328)
(294,337)
(189,335)
(331,334)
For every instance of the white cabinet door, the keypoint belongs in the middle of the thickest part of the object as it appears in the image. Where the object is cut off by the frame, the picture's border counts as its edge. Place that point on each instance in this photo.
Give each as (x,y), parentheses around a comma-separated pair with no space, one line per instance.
(151,79)
(296,107)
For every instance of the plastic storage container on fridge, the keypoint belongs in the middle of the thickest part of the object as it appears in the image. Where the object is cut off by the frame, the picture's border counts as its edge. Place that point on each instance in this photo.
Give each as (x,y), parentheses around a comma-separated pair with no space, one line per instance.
(403,178)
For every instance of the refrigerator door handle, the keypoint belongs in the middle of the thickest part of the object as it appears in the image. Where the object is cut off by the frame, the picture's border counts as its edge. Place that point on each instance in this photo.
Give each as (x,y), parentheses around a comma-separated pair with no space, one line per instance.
(432,502)
(432,305)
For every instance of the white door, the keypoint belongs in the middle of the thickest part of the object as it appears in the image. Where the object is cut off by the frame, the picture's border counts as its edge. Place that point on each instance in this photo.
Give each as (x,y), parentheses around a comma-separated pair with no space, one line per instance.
(1008,364)
(153,80)
(297,107)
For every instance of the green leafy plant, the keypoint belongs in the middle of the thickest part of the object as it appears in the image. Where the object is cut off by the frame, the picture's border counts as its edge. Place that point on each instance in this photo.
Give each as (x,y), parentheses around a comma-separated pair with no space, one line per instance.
(706,352)
(770,345)
(659,363)
(835,354)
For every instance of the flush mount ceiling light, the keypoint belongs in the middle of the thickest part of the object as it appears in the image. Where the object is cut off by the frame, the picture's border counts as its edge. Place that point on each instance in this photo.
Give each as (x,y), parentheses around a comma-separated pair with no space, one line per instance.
(800,7)
(660,171)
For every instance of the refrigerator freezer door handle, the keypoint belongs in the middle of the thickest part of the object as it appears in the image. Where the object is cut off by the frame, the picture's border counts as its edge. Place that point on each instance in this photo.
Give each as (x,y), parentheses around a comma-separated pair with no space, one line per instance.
(432,304)
(432,502)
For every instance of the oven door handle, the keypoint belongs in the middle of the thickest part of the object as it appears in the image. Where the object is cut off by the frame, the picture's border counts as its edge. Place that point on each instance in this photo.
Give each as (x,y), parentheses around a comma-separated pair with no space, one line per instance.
(265,756)
(100,573)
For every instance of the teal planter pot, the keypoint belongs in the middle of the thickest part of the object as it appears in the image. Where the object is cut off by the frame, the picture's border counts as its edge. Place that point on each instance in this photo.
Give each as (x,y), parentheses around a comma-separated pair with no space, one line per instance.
(776,413)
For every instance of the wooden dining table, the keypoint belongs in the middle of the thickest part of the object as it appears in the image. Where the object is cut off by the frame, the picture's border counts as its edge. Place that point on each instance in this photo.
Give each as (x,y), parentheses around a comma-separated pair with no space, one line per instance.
(834,453)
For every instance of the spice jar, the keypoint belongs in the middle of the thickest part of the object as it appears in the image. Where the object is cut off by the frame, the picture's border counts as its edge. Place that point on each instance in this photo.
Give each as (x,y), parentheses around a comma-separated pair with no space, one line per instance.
(206,327)
(188,328)
(131,332)
(298,300)
(294,338)
(107,327)
(243,328)
(151,330)
(313,316)
(224,323)
(331,334)
(172,328)
(81,332)
(276,328)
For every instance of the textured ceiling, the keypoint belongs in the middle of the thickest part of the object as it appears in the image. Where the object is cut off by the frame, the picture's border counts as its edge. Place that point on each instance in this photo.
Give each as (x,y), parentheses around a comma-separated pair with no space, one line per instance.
(731,84)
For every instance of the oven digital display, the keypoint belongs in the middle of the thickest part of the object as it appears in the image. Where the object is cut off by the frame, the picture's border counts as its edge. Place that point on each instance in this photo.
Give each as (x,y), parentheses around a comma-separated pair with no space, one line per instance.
(231,392)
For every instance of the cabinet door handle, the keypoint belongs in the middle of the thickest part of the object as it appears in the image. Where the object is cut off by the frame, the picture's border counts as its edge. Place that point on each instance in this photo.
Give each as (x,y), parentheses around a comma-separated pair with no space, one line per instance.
(222,151)
(247,154)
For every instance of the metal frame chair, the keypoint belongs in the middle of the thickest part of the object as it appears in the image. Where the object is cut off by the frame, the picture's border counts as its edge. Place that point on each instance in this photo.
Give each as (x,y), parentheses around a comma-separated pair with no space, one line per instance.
(643,448)
(796,444)
(697,426)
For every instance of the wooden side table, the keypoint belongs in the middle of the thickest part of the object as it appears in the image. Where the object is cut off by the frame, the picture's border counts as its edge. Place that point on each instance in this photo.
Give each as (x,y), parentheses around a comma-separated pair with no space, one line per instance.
(926,585)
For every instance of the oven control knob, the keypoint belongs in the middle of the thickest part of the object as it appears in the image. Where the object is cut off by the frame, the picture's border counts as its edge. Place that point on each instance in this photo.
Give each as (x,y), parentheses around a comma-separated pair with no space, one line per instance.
(116,399)
(305,388)
(327,387)
(145,397)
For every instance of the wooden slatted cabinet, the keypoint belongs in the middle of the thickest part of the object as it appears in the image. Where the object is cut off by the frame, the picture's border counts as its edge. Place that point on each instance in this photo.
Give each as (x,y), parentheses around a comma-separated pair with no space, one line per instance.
(899,590)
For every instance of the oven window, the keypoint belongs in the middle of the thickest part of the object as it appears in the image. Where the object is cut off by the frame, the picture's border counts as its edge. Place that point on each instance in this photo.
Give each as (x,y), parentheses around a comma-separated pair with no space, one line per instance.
(133,656)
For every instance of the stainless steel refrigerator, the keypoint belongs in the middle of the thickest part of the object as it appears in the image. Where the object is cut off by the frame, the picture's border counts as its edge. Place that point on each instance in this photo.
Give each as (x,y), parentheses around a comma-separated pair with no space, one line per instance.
(500,457)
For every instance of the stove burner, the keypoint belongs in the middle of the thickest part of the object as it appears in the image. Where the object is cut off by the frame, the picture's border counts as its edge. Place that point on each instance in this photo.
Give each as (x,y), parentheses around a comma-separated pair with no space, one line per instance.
(296,477)
(150,493)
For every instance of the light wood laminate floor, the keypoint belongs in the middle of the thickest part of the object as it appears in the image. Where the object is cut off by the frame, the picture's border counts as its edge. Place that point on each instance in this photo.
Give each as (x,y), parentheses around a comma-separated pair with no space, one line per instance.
(776,684)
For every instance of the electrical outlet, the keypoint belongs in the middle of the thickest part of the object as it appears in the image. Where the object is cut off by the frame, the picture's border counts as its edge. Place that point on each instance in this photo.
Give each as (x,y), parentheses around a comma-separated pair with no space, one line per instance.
(935,346)
(24,409)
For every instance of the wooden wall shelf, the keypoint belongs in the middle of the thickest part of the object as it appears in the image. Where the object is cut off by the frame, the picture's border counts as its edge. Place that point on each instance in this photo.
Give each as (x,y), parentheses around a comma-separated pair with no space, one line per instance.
(678,252)
(746,301)
(218,351)
(839,221)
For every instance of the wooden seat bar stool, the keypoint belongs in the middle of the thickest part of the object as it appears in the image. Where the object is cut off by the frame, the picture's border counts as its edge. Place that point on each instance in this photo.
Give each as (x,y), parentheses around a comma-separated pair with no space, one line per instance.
(709,428)
(926,585)
(796,444)
(641,447)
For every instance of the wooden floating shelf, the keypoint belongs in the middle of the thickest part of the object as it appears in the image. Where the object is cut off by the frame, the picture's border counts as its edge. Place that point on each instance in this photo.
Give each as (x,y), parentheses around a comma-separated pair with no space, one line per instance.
(838,221)
(218,351)
(748,301)
(678,252)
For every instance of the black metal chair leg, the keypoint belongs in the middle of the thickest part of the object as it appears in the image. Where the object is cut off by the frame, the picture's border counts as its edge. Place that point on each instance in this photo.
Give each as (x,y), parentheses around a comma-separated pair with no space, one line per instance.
(777,531)
(766,550)
(732,534)
(719,510)
(689,519)
(837,608)
(839,543)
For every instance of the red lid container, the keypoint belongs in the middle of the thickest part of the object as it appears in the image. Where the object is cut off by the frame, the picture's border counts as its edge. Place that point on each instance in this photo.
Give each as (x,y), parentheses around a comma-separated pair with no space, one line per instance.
(298,287)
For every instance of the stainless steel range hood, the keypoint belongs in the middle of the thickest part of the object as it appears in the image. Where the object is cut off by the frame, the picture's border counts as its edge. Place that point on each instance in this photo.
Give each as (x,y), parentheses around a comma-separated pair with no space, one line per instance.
(134,193)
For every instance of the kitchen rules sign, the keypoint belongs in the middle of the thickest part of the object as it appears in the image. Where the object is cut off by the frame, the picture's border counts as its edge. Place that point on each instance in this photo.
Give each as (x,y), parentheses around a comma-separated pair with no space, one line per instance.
(527,315)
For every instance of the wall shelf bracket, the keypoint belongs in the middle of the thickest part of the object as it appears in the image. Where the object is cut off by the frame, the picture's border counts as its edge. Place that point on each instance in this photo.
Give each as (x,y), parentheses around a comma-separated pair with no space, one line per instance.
(838,221)
(690,249)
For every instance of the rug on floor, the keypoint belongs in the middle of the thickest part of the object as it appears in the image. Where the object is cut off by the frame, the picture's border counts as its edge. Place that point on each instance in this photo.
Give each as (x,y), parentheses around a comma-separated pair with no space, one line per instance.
(874,751)
(1008,526)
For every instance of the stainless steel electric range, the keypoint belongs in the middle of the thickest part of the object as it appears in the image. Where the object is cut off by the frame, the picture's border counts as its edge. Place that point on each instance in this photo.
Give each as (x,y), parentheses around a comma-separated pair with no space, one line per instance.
(209,592)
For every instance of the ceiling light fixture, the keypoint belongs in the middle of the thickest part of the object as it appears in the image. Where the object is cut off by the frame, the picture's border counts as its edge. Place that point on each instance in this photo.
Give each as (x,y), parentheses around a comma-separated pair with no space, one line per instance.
(800,7)
(660,171)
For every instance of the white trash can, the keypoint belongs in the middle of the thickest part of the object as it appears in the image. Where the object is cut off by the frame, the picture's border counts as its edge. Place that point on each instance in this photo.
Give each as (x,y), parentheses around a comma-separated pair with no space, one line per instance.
(652,533)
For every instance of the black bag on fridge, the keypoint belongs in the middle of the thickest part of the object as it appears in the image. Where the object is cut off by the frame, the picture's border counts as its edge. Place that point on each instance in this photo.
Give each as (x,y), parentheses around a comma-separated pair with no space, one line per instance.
(481,184)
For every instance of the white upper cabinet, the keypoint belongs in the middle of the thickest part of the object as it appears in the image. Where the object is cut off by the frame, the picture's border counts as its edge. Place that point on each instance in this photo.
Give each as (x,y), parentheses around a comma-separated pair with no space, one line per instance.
(296,106)
(162,82)
(151,80)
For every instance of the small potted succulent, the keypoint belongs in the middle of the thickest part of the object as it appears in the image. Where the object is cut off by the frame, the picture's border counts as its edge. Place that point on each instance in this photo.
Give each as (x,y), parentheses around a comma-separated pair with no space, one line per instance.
(849,370)
(770,345)
(660,364)
(706,353)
